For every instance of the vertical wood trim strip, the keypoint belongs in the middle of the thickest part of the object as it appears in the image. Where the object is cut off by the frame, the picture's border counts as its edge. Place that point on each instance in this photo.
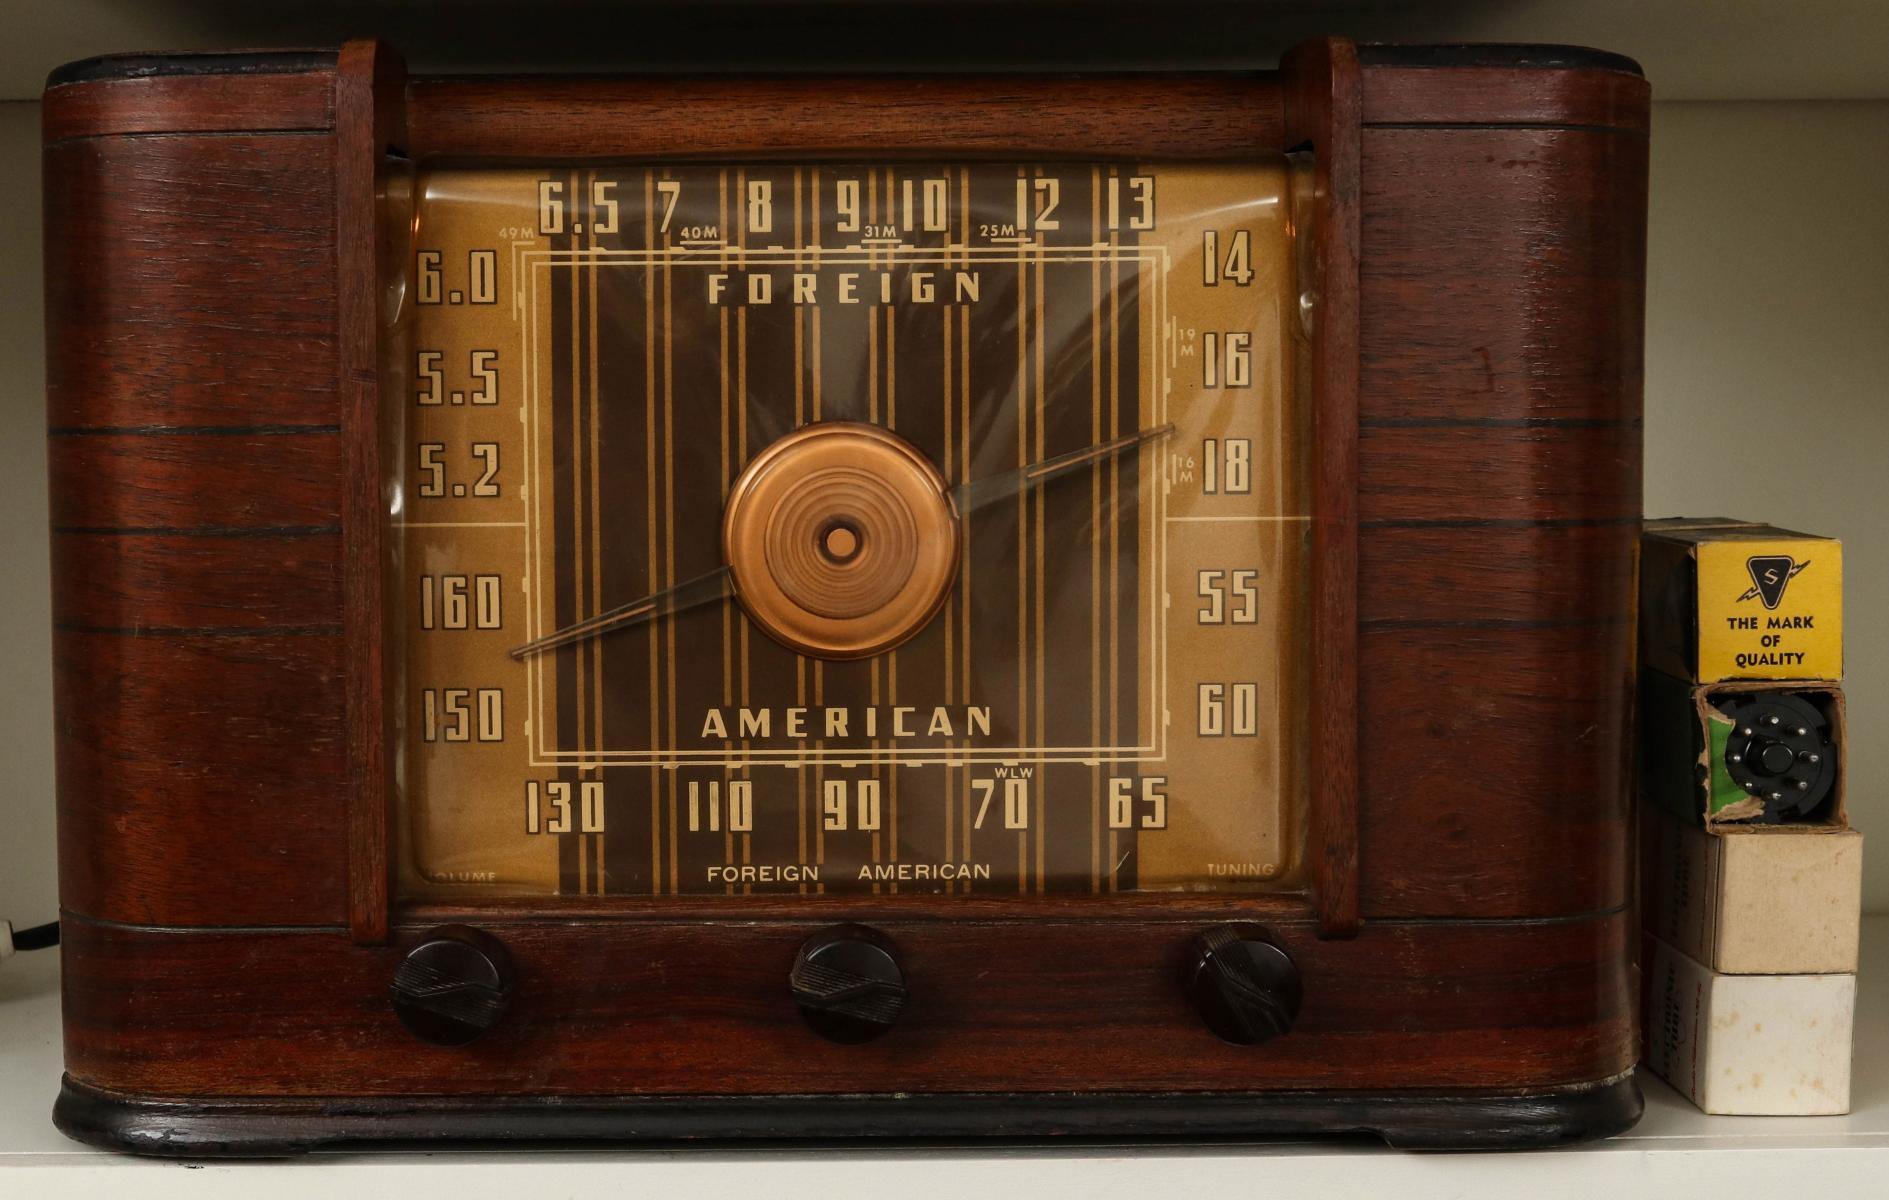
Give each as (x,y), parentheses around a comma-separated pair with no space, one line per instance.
(1322,102)
(368,81)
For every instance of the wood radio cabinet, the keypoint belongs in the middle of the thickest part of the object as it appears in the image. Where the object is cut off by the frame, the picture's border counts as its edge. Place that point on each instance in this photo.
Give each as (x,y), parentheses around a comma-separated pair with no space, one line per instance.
(634,608)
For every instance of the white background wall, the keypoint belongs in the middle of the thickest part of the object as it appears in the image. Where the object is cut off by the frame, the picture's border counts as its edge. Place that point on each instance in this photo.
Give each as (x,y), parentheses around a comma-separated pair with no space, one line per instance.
(1768,315)
(1767,363)
(27,893)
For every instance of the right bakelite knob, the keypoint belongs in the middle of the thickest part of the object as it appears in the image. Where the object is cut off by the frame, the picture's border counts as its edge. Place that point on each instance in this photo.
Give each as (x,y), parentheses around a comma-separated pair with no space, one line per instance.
(1245,988)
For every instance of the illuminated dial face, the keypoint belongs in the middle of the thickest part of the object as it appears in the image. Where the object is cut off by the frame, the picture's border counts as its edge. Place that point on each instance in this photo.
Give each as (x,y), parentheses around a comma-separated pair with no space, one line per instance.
(840,528)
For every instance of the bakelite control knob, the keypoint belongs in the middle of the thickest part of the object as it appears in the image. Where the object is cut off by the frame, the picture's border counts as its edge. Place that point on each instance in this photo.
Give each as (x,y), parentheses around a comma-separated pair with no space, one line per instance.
(1244,987)
(454,986)
(848,983)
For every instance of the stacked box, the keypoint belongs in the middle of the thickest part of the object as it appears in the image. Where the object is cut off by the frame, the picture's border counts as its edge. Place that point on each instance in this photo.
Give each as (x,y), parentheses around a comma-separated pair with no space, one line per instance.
(1748,903)
(1749,1045)
(1731,614)
(1751,879)
(1726,599)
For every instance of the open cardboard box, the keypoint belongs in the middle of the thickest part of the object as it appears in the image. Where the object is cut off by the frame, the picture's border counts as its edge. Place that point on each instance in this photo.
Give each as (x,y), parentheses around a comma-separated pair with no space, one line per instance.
(1682,754)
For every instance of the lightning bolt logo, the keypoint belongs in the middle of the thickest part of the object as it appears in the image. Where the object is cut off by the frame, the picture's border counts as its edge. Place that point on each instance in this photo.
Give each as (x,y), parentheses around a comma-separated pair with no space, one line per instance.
(1770,575)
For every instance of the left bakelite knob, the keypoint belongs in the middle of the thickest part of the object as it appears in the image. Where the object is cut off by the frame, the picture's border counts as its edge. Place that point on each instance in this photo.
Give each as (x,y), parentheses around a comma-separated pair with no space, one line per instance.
(454,986)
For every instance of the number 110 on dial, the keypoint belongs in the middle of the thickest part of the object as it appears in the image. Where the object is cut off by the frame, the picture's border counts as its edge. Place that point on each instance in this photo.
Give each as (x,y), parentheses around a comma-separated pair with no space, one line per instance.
(1093,425)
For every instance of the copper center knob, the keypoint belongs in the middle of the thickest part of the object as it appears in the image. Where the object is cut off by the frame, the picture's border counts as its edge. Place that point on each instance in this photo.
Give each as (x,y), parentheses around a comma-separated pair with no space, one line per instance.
(842,540)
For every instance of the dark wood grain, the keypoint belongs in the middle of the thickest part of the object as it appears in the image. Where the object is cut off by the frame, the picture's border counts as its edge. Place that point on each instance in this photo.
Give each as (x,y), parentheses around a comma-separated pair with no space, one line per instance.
(1500,484)
(369,81)
(1505,472)
(640,1007)
(193,483)
(212,801)
(222,580)
(190,282)
(1468,746)
(1502,275)
(1321,86)
(189,104)
(1399,95)
(1501,315)
(1149,117)
(191,382)
(1526,574)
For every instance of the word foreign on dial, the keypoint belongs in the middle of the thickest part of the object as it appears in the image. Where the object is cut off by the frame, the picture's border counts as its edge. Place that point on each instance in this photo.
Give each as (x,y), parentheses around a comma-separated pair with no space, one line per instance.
(843,287)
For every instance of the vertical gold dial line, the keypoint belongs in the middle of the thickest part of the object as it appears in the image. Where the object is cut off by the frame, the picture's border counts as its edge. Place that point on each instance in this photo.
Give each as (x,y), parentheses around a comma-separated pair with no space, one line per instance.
(1095,535)
(597,878)
(965,558)
(1040,501)
(726,474)
(887,774)
(814,231)
(892,659)
(872,416)
(727,606)
(963,351)
(1022,397)
(649,476)
(1152,305)
(953,776)
(801,373)
(819,775)
(741,442)
(1287,761)
(875,258)
(531,575)
(1114,525)
(951,773)
(669,545)
(579,563)
(723,478)
(819,676)
(731,616)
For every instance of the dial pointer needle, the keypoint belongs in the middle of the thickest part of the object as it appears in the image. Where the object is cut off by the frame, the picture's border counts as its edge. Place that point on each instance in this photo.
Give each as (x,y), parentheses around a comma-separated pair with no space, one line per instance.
(977,493)
(718,584)
(691,593)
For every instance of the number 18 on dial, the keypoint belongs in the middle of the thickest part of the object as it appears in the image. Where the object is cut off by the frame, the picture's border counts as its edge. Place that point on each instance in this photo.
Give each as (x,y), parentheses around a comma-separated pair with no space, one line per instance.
(828,528)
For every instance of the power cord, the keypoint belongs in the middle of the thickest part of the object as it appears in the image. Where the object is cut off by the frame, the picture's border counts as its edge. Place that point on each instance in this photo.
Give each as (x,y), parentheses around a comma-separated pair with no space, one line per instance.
(36,937)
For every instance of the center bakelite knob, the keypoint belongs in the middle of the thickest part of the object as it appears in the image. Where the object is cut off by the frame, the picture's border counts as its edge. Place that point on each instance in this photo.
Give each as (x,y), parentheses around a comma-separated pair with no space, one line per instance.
(842,540)
(848,983)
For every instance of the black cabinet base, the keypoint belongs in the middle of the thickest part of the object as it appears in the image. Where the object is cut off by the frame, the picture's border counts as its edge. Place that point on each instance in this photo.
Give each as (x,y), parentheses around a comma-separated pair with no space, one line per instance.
(262,1128)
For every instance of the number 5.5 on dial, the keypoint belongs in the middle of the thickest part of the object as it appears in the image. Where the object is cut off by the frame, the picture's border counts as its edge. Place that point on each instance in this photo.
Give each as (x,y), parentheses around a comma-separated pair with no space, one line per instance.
(1104,693)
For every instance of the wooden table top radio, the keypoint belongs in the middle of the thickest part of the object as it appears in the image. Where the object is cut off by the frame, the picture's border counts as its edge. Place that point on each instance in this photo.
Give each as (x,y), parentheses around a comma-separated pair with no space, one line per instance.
(640,609)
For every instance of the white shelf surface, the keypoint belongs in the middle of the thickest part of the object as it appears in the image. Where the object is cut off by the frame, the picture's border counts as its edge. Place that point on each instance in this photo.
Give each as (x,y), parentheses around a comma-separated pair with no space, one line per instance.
(1675,1150)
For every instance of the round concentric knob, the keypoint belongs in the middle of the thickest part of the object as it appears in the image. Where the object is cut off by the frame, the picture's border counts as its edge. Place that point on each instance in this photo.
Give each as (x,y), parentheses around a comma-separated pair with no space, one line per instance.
(842,540)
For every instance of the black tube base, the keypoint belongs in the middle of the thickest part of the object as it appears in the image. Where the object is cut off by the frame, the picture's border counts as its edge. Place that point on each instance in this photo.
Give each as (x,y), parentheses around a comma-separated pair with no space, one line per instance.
(272,1128)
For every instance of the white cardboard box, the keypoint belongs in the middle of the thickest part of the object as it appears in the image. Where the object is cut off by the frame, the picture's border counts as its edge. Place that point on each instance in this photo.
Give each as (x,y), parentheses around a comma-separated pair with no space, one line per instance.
(1749,1045)
(1784,900)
